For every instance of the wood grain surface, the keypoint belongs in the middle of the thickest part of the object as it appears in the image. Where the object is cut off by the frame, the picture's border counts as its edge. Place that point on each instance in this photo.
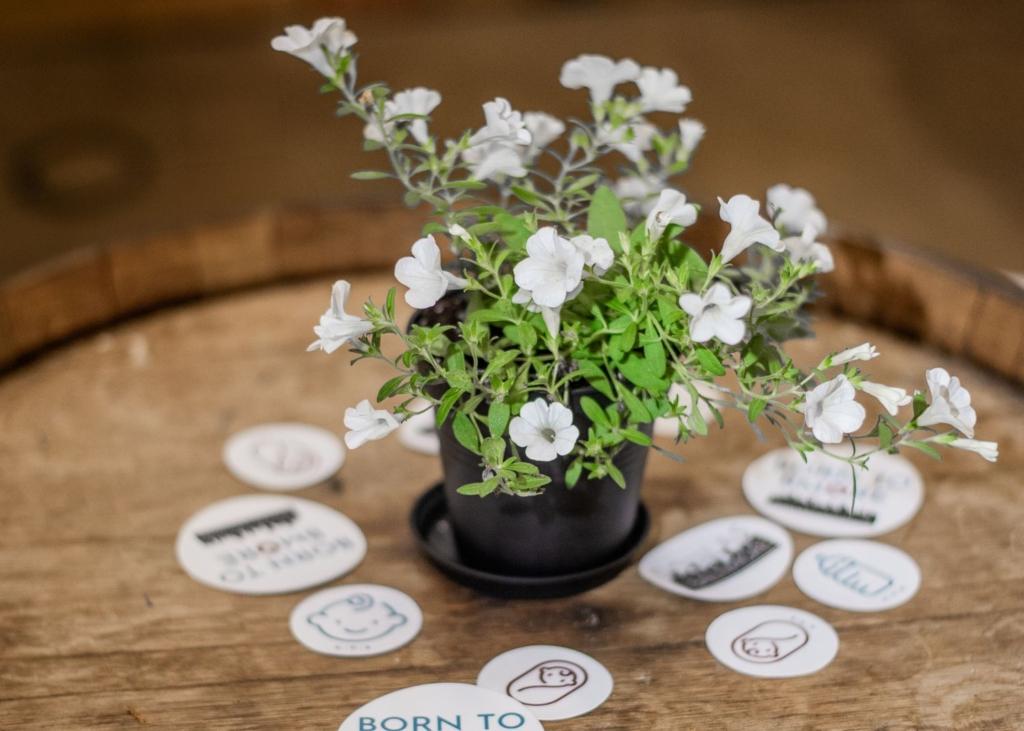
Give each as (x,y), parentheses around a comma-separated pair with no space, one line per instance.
(109,443)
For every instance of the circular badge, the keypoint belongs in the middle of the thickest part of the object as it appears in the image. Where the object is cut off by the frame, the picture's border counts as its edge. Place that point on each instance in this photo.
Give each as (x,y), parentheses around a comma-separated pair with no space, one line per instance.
(268,544)
(861,576)
(418,432)
(553,682)
(817,497)
(357,620)
(723,560)
(442,707)
(770,641)
(283,456)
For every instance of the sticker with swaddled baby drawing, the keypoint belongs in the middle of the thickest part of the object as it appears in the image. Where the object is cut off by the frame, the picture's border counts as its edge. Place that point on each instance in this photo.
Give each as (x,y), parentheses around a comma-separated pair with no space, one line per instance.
(283,456)
(419,432)
(553,682)
(770,641)
(860,576)
(268,544)
(356,620)
(723,560)
(818,497)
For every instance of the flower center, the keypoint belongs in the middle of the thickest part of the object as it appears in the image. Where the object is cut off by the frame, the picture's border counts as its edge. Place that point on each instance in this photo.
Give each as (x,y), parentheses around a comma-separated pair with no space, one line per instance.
(548,433)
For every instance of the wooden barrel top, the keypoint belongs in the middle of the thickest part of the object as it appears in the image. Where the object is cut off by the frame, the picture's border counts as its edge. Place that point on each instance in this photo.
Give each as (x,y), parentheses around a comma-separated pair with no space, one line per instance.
(111,439)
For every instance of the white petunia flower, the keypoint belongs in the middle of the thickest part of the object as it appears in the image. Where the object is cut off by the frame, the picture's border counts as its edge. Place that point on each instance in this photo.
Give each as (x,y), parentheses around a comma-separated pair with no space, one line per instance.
(951,403)
(632,140)
(660,91)
(691,132)
(638,193)
(669,426)
(864,351)
(495,160)
(500,146)
(988,450)
(718,314)
(741,212)
(597,254)
(552,315)
(599,74)
(890,397)
(670,208)
(544,129)
(794,209)
(318,46)
(552,269)
(544,430)
(830,410)
(806,248)
(419,100)
(336,326)
(423,275)
(367,423)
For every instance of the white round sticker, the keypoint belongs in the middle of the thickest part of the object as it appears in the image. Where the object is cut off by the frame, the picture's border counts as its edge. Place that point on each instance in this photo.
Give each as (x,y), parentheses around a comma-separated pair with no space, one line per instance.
(723,560)
(418,432)
(442,707)
(770,641)
(553,682)
(283,456)
(861,576)
(357,620)
(268,544)
(818,497)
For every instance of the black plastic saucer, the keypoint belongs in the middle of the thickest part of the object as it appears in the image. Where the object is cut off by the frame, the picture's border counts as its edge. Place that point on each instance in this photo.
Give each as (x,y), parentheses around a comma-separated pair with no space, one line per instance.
(433,531)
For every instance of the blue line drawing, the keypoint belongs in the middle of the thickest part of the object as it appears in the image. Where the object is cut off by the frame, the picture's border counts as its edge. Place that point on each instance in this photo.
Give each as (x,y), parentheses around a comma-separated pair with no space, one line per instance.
(853,574)
(357,618)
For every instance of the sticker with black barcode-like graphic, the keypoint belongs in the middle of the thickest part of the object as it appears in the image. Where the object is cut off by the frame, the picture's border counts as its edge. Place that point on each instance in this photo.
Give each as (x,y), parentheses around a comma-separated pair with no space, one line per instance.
(268,544)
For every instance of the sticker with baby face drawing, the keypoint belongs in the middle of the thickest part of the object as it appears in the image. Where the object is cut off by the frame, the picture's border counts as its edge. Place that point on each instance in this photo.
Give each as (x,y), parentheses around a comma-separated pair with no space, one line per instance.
(861,576)
(818,498)
(268,544)
(418,432)
(356,620)
(553,682)
(283,456)
(770,641)
(723,560)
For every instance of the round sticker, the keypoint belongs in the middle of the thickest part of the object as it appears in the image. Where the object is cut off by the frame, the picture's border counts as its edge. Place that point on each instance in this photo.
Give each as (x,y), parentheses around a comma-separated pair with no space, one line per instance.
(283,456)
(268,544)
(418,432)
(818,497)
(357,620)
(770,641)
(861,576)
(723,560)
(442,707)
(553,682)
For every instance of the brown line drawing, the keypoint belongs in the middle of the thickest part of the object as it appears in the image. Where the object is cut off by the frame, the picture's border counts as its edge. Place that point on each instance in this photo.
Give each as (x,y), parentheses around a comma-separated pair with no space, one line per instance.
(769,641)
(547,683)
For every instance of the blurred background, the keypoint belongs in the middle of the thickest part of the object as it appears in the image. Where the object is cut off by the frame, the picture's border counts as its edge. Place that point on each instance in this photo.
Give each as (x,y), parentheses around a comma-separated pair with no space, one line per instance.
(126,119)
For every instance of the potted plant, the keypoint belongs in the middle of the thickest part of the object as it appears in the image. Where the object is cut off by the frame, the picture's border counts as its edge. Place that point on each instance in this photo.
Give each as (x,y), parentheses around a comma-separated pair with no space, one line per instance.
(573,314)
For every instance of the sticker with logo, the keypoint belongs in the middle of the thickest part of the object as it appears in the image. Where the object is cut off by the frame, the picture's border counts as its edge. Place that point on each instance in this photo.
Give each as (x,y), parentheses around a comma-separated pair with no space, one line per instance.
(268,544)
(283,456)
(860,576)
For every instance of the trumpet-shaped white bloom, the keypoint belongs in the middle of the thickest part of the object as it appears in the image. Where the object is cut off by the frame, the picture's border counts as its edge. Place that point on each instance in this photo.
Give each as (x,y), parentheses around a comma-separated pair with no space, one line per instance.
(660,91)
(419,100)
(423,275)
(890,397)
(742,213)
(718,314)
(670,208)
(691,132)
(318,46)
(501,124)
(367,423)
(544,430)
(599,74)
(597,254)
(864,351)
(500,146)
(988,450)
(552,315)
(831,411)
(632,140)
(794,209)
(336,326)
(951,403)
(552,269)
(638,194)
(543,128)
(806,248)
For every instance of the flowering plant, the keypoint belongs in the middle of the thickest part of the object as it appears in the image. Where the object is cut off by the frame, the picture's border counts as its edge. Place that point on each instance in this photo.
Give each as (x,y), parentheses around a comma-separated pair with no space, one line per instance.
(576,291)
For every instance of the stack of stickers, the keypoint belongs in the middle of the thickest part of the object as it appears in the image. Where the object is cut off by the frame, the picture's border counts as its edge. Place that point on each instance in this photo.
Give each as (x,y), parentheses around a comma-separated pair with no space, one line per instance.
(730,559)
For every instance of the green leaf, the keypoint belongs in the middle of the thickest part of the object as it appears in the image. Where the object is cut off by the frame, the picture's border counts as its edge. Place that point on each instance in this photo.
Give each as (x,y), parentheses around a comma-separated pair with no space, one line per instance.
(884,435)
(605,217)
(447,402)
(642,373)
(370,175)
(596,378)
(924,447)
(527,196)
(389,304)
(616,475)
(637,410)
(493,450)
(654,352)
(389,387)
(920,404)
(637,437)
(483,489)
(572,475)
(710,362)
(755,409)
(497,417)
(465,432)
(594,412)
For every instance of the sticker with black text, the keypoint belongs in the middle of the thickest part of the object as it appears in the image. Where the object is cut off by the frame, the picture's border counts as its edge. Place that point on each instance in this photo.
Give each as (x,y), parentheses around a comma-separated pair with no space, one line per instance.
(861,576)
(283,456)
(356,620)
